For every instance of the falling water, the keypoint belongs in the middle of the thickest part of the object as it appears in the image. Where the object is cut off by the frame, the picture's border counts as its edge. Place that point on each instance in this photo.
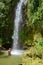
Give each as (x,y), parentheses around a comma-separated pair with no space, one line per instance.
(18,19)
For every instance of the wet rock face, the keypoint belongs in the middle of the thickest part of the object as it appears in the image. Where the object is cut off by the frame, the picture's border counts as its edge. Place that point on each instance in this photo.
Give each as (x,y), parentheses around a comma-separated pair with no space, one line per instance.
(25,3)
(22,24)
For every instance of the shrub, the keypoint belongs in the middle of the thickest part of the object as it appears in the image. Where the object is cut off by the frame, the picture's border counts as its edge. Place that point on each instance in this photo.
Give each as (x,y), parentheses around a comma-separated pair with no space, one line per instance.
(41,42)
(31,52)
(39,49)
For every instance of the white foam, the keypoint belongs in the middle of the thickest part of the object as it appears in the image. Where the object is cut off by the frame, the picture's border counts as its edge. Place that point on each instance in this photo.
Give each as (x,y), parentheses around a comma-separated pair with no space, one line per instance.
(17,52)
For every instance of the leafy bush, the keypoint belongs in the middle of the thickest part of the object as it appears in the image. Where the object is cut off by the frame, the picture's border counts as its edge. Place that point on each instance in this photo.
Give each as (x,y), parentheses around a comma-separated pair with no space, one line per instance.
(2,5)
(41,42)
(6,20)
(32,57)
(39,49)
(31,52)
(34,5)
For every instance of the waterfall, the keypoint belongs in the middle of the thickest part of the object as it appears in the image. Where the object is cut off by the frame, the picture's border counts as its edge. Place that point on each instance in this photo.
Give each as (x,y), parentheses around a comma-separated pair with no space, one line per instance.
(17,20)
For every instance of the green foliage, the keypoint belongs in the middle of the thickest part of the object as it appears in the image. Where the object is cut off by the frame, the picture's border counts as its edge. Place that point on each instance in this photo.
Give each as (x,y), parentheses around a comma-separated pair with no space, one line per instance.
(2,5)
(34,5)
(37,19)
(34,25)
(41,42)
(39,48)
(34,21)
(32,57)
(31,61)
(31,52)
(6,20)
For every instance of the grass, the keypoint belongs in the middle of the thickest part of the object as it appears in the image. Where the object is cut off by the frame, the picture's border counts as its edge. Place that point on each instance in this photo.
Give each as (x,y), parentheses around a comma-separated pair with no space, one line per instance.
(10,60)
